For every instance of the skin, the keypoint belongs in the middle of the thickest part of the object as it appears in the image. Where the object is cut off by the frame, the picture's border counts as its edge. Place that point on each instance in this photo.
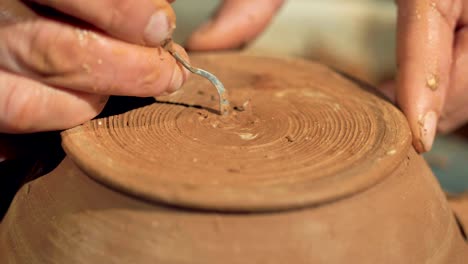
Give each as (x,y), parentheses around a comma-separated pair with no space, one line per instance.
(432,56)
(236,23)
(431,86)
(57,69)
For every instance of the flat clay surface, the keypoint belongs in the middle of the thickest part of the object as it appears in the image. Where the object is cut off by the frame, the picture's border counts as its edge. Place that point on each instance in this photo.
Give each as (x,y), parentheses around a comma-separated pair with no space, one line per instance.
(299,134)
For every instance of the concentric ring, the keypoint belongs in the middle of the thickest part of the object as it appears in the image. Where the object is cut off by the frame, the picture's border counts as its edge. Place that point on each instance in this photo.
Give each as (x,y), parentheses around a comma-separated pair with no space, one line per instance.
(301,134)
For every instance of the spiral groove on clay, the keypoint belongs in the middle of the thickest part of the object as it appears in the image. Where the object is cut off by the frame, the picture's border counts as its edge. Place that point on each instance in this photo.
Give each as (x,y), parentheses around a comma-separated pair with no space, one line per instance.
(306,135)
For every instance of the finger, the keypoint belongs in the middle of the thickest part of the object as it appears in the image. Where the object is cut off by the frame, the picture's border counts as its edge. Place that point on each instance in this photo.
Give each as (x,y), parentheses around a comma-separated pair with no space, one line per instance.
(455,112)
(63,56)
(425,37)
(146,22)
(454,120)
(28,106)
(236,23)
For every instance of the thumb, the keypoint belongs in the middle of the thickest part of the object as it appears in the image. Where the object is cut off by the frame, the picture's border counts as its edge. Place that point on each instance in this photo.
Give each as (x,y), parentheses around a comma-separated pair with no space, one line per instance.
(147,22)
(236,23)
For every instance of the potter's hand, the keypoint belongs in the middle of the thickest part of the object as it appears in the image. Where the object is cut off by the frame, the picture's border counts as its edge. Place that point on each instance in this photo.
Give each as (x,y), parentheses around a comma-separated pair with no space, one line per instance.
(236,23)
(55,74)
(432,83)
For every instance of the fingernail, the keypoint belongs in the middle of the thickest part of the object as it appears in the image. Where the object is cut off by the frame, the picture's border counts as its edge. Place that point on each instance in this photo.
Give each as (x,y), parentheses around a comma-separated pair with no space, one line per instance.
(427,130)
(159,28)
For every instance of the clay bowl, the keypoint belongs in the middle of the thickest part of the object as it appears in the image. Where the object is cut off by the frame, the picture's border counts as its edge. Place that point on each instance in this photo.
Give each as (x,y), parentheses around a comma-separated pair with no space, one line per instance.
(310,167)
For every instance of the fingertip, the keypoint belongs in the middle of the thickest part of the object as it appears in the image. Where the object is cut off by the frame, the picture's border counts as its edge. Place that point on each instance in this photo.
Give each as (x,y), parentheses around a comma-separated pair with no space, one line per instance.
(160,26)
(158,29)
(421,105)
(212,36)
(424,131)
(235,24)
(202,39)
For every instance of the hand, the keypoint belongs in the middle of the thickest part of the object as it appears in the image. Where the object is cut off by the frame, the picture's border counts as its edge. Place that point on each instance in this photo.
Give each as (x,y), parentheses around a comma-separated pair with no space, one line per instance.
(58,68)
(236,23)
(432,83)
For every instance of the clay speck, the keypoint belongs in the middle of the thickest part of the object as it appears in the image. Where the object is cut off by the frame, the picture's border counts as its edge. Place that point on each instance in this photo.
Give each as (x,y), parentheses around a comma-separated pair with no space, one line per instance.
(239,108)
(86,68)
(336,107)
(82,35)
(246,105)
(432,82)
(202,115)
(93,35)
(247,136)
(417,14)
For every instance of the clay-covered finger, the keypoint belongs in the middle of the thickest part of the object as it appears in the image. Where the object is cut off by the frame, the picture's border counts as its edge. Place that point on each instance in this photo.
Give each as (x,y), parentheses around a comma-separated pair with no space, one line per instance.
(64,56)
(236,23)
(146,22)
(455,112)
(29,106)
(425,37)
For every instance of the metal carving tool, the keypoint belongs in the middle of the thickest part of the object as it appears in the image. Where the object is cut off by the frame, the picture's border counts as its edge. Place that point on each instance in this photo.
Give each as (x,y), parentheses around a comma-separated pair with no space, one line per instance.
(223,101)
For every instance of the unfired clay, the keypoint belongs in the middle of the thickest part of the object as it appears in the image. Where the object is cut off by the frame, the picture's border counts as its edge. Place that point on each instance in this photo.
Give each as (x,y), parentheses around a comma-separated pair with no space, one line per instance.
(308,168)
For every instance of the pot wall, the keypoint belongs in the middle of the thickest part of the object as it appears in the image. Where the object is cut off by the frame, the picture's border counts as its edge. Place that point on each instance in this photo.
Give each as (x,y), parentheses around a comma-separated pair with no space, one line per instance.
(65,217)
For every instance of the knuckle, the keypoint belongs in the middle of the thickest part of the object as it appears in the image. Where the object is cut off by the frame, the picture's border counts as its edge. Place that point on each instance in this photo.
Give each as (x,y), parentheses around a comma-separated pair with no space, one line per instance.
(114,17)
(448,10)
(48,51)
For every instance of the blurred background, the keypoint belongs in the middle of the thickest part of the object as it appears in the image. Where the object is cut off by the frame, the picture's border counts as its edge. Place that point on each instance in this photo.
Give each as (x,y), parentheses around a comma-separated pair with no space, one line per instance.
(353,36)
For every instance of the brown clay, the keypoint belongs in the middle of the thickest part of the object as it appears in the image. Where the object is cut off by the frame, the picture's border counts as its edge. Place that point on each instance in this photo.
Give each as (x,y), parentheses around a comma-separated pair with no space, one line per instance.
(459,205)
(309,168)
(301,131)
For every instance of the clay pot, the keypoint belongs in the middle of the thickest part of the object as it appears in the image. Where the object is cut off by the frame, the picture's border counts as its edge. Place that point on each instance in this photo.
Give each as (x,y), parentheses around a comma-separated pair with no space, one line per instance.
(310,167)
